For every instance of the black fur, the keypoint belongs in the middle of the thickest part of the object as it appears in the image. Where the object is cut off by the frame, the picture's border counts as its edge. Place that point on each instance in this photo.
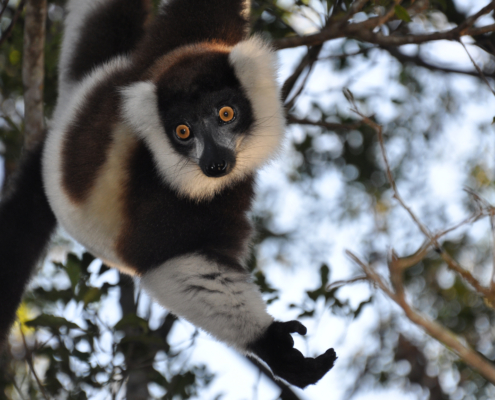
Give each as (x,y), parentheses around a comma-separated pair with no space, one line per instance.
(276,348)
(183,22)
(26,224)
(111,30)
(86,145)
(160,225)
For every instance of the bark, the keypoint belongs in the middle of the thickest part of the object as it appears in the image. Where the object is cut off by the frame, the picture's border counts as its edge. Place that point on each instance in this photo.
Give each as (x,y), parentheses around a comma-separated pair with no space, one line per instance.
(33,72)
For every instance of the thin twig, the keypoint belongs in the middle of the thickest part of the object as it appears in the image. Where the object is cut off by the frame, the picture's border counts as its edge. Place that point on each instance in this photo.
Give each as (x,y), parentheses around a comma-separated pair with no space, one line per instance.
(487,208)
(5,3)
(309,58)
(344,282)
(8,31)
(492,223)
(482,75)
(452,264)
(432,328)
(29,359)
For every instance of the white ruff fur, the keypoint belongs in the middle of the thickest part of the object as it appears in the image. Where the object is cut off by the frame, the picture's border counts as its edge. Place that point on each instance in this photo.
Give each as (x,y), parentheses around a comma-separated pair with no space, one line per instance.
(228,306)
(255,66)
(71,217)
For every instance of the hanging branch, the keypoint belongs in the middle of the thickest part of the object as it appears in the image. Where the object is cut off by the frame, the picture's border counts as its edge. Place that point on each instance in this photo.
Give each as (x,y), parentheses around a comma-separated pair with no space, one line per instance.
(434,329)
(33,72)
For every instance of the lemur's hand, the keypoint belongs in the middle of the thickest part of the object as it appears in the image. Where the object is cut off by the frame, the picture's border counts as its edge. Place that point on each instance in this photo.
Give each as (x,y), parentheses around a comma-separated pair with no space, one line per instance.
(275,347)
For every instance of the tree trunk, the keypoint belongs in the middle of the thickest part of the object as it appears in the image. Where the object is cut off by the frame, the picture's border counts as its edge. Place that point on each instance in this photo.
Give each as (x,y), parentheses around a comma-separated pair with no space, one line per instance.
(33,72)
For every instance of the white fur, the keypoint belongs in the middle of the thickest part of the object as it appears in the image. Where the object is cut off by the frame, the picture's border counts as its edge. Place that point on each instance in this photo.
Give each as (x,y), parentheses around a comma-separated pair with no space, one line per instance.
(71,216)
(74,21)
(140,111)
(255,67)
(229,307)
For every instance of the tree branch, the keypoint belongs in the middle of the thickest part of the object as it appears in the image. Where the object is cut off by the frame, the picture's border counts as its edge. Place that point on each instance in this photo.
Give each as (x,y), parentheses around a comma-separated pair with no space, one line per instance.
(331,126)
(420,62)
(435,330)
(364,31)
(33,71)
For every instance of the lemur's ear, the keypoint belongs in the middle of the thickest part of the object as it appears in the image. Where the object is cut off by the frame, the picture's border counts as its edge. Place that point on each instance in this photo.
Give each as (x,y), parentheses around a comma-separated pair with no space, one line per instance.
(183,22)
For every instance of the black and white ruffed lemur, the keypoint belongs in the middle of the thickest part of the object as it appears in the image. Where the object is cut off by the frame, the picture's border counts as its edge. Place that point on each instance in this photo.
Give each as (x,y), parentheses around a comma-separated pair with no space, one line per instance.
(149,162)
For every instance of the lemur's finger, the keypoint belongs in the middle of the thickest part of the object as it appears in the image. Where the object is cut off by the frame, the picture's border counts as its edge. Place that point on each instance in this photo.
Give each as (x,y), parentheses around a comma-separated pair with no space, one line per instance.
(295,327)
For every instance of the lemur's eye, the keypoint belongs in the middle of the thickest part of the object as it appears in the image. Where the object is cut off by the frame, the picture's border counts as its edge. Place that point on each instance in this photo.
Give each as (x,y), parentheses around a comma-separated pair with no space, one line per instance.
(183,132)
(226,114)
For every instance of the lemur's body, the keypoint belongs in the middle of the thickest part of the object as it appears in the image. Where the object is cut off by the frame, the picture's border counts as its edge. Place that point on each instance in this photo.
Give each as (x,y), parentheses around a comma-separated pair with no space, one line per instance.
(150,160)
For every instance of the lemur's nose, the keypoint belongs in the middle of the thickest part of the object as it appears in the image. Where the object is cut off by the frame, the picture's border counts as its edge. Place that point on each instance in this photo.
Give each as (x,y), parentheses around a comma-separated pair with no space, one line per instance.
(217,169)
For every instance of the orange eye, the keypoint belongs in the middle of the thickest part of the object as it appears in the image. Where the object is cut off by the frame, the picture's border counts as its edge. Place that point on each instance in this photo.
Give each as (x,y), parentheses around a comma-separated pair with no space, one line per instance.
(183,132)
(226,114)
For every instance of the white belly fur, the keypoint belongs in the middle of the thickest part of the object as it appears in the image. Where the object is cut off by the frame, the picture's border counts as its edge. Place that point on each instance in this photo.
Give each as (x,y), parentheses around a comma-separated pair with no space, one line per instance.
(97,222)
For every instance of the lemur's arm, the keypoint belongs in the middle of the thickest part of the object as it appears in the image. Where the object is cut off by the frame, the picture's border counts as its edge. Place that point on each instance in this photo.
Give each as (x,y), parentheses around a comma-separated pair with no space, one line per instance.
(223,301)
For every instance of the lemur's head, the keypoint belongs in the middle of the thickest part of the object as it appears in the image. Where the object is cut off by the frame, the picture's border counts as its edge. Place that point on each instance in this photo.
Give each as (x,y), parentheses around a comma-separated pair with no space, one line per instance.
(210,114)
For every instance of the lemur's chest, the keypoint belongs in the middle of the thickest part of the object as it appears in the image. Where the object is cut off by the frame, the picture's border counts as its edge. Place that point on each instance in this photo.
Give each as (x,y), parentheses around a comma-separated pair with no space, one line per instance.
(160,225)
(121,210)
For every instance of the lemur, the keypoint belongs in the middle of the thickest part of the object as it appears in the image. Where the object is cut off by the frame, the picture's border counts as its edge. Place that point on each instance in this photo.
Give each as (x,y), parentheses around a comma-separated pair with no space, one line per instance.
(149,162)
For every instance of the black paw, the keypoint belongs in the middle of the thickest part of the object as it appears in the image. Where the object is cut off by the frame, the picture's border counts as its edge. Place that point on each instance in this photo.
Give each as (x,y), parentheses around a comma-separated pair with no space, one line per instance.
(276,348)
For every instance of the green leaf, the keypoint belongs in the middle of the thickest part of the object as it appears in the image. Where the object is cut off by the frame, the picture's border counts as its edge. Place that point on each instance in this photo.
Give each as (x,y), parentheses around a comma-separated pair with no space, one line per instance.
(80,355)
(73,269)
(324,274)
(92,295)
(51,321)
(402,13)
(132,321)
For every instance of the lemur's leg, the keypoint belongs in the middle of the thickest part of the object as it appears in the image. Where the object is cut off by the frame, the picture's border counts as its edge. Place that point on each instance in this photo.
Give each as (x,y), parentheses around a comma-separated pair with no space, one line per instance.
(183,22)
(95,32)
(223,301)
(26,224)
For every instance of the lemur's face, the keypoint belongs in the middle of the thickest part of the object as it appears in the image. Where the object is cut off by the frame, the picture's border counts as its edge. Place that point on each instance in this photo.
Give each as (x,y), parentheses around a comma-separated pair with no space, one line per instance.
(209,114)
(205,112)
